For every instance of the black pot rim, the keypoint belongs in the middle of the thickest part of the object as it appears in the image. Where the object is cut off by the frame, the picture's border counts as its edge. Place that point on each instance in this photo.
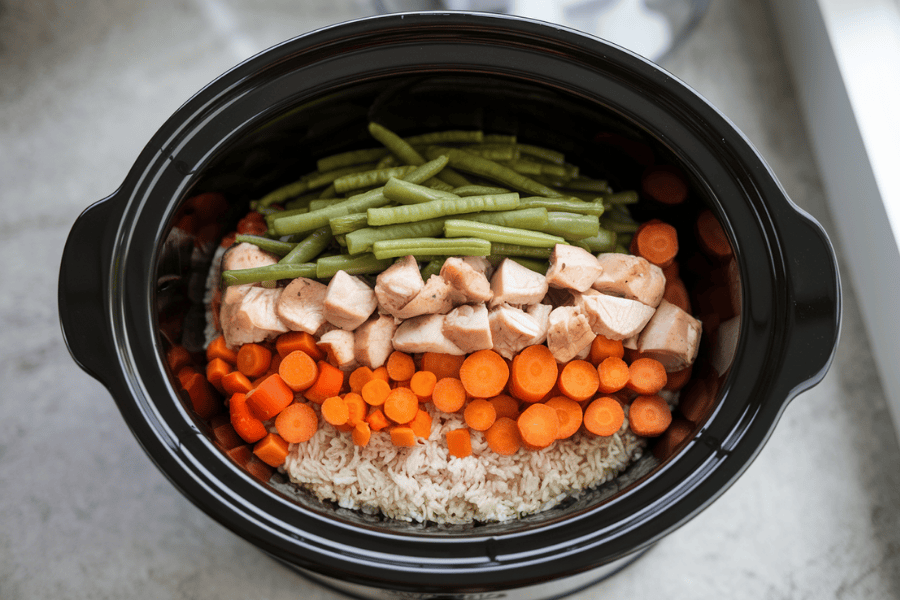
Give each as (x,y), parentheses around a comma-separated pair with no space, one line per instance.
(787,339)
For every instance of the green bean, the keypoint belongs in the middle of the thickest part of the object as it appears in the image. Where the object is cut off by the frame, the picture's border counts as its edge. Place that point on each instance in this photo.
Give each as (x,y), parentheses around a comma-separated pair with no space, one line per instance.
(571,205)
(436,184)
(620,249)
(348,223)
(276,247)
(626,197)
(585,184)
(320,203)
(309,247)
(530,167)
(498,138)
(362,264)
(454,228)
(520,251)
(617,225)
(460,246)
(301,202)
(453,179)
(439,208)
(310,181)
(453,136)
(361,179)
(361,240)
(546,154)
(571,226)
(387,162)
(268,273)
(493,170)
(405,192)
(526,218)
(397,145)
(329,192)
(352,157)
(433,267)
(478,190)
(284,213)
(494,151)
(341,240)
(604,241)
(538,266)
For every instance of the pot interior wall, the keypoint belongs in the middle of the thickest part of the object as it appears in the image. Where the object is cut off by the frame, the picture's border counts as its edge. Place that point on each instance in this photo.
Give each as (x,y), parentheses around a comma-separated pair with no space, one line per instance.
(603,143)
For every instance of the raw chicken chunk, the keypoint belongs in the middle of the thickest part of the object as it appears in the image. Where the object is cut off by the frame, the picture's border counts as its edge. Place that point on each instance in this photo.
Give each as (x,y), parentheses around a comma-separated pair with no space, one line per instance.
(424,334)
(541,314)
(517,285)
(470,285)
(512,330)
(480,263)
(301,305)
(372,343)
(340,346)
(672,337)
(569,333)
(398,284)
(468,327)
(348,301)
(613,317)
(631,277)
(572,268)
(248,314)
(435,298)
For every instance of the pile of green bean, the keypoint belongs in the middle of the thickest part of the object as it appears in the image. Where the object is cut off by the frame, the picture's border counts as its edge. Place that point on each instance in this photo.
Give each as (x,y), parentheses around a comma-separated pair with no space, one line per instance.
(446,193)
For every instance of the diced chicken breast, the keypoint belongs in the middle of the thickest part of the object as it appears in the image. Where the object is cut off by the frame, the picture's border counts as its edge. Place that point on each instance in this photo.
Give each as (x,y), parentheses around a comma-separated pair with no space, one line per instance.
(512,330)
(348,301)
(672,337)
(398,284)
(517,285)
(424,334)
(541,315)
(302,304)
(248,315)
(631,277)
(572,268)
(613,317)
(246,256)
(468,327)
(480,263)
(470,285)
(569,333)
(434,299)
(372,344)
(340,346)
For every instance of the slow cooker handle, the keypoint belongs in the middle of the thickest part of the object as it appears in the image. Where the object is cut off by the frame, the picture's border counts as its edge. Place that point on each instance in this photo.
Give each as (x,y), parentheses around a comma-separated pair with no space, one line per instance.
(83,287)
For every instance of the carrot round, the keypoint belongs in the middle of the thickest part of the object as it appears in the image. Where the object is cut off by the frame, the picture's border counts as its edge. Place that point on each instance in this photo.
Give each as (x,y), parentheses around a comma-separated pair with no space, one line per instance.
(272,450)
(503,437)
(534,373)
(218,349)
(335,411)
(604,416)
(362,433)
(613,374)
(235,382)
(400,366)
(676,293)
(203,398)
(422,385)
(649,416)
(260,470)
(401,405)
(646,376)
(381,373)
(376,392)
(421,424)
(569,413)
(678,431)
(579,380)
(270,397)
(449,395)
(442,365)
(459,442)
(696,401)
(505,406)
(484,374)
(665,184)
(658,243)
(216,369)
(712,236)
(177,357)
(538,425)
(358,378)
(240,454)
(678,379)
(298,370)
(480,414)
(225,436)
(297,423)
(602,348)
(356,406)
(328,383)
(253,360)
(298,340)
(376,420)
(245,424)
(403,436)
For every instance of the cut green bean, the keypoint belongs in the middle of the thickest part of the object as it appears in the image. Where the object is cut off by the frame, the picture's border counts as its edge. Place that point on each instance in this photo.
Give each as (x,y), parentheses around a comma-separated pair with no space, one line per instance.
(618,226)
(530,167)
(498,138)
(361,240)
(373,177)
(453,179)
(320,203)
(542,153)
(439,208)
(328,192)
(309,247)
(397,145)
(348,223)
(362,264)
(478,190)
(494,151)
(526,218)
(433,267)
(604,241)
(585,184)
(387,162)
(454,228)
(520,251)
(350,158)
(626,197)
(453,136)
(268,273)
(620,249)
(538,266)
(495,171)
(276,247)
(571,226)
(301,202)
(404,192)
(460,246)
(571,205)
(436,184)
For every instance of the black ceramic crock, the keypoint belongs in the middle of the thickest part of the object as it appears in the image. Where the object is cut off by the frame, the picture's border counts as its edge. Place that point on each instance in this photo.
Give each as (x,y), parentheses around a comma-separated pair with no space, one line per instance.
(266,121)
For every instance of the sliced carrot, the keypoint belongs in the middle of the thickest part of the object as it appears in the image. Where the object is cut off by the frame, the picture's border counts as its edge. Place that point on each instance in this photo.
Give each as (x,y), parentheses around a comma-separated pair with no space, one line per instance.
(376,420)
(297,423)
(398,384)
(646,376)
(604,416)
(362,433)
(245,424)
(678,431)
(676,293)
(185,373)
(260,470)
(208,206)
(696,401)
(484,374)
(335,411)
(657,242)
(505,406)
(253,360)
(613,373)
(298,340)
(538,425)
(401,405)
(270,397)
(569,413)
(676,380)
(400,366)
(602,348)
(442,365)
(449,395)
(272,450)
(579,380)
(177,357)
(381,373)
(225,436)
(235,382)
(403,436)
(503,437)
(459,442)
(298,370)
(216,369)
(218,349)
(203,397)
(712,236)
(534,373)
(240,454)
(422,385)
(665,184)
(376,392)
(358,378)
(328,383)
(480,414)
(421,424)
(672,271)
(356,406)
(649,416)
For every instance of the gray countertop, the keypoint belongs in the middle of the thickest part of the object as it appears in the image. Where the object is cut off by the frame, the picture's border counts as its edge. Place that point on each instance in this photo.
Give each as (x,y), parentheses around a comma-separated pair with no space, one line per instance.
(85,514)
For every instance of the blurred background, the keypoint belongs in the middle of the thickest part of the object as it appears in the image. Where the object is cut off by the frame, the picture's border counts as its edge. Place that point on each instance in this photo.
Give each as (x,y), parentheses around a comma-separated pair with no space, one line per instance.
(84,85)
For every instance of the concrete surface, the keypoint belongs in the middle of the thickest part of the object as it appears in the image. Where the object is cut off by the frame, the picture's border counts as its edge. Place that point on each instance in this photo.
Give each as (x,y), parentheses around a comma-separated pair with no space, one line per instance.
(84,513)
